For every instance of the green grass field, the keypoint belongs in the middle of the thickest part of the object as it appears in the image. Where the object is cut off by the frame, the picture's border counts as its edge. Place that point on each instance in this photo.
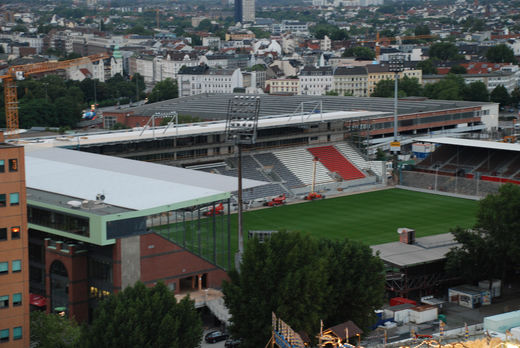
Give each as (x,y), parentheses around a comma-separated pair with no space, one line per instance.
(371,218)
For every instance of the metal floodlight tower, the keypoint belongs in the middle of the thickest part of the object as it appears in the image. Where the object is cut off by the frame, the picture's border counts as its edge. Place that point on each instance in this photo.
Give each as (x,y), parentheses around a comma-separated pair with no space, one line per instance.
(396,65)
(241,125)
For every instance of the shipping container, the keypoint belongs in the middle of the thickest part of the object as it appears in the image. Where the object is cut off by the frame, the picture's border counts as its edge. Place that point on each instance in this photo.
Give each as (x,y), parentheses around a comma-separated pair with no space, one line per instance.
(423,314)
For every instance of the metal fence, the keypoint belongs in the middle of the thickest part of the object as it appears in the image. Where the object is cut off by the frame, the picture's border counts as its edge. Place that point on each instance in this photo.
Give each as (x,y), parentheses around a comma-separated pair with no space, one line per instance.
(449,184)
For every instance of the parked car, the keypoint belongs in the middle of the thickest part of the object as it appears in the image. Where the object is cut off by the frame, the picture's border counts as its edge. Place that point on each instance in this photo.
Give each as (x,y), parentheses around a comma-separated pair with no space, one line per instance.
(232,342)
(215,336)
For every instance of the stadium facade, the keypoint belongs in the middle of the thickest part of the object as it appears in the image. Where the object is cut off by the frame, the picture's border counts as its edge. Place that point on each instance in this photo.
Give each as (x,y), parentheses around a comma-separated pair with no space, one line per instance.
(98,224)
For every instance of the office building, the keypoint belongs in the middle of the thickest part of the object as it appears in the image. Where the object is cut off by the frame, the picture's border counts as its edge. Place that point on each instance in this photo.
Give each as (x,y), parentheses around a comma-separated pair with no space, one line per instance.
(14,270)
(245,11)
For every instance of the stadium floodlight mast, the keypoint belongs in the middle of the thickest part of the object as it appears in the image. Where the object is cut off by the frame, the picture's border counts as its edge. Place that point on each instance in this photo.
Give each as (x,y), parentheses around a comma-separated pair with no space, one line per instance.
(241,126)
(395,65)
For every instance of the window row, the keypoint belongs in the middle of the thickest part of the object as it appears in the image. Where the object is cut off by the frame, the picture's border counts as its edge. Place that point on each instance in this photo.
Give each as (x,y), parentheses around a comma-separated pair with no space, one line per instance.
(12,165)
(16,266)
(14,199)
(4,334)
(15,233)
(4,300)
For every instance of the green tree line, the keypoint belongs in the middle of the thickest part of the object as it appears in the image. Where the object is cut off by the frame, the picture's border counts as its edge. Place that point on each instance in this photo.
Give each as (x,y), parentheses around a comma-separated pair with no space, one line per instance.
(54,102)
(450,87)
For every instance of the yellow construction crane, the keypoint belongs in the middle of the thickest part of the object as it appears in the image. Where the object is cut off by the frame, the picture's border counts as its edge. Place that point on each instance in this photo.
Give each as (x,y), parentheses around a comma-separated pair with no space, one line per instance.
(19,72)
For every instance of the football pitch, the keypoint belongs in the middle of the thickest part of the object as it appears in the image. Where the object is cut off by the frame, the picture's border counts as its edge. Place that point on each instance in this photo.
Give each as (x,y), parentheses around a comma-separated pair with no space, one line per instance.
(371,218)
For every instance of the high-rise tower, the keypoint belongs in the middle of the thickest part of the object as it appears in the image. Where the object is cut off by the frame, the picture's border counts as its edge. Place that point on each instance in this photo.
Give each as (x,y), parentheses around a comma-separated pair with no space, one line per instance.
(245,11)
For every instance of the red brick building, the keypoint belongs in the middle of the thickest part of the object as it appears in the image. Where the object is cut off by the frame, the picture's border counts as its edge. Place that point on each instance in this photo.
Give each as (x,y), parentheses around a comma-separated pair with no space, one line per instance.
(14,265)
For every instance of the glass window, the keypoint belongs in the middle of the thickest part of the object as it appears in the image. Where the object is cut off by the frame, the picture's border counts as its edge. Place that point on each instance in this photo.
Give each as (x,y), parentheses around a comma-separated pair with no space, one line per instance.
(13,165)
(17,299)
(17,333)
(3,233)
(15,232)
(4,267)
(14,198)
(2,200)
(4,301)
(2,166)
(4,335)
(17,266)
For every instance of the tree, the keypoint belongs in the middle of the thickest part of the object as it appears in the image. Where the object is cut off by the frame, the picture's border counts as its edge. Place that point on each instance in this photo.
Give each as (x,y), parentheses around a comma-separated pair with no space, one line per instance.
(492,247)
(332,93)
(450,87)
(205,25)
(140,316)
(444,51)
(406,87)
(410,86)
(350,299)
(360,52)
(163,90)
(501,54)
(500,95)
(261,34)
(384,88)
(299,278)
(515,96)
(427,66)
(422,30)
(476,91)
(458,69)
(51,330)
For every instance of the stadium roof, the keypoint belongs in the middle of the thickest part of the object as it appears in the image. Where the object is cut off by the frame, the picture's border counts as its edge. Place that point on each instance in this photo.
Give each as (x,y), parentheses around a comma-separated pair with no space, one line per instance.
(125,183)
(424,250)
(492,145)
(214,106)
(215,127)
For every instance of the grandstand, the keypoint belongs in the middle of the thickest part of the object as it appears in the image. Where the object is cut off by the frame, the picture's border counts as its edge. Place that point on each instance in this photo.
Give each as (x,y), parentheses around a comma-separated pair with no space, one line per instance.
(471,167)
(291,132)
(492,161)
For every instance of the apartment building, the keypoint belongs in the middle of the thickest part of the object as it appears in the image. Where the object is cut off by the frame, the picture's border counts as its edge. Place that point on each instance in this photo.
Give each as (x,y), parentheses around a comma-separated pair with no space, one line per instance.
(377,73)
(350,81)
(203,79)
(315,81)
(14,264)
(284,86)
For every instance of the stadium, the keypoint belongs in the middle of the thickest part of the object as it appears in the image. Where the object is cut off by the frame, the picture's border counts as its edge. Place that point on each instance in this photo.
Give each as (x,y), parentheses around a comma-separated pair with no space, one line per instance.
(109,208)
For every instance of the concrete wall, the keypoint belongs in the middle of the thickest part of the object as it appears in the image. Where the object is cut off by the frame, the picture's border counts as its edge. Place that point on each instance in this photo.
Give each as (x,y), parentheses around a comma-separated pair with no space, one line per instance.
(130,261)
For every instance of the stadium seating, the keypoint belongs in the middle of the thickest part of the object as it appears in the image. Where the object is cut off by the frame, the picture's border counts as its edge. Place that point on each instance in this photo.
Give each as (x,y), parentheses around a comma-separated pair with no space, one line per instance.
(300,162)
(353,156)
(270,160)
(334,161)
(495,163)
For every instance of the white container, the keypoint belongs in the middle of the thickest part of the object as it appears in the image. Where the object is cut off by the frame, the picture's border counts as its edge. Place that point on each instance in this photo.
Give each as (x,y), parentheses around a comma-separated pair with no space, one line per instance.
(496,286)
(515,332)
(423,314)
